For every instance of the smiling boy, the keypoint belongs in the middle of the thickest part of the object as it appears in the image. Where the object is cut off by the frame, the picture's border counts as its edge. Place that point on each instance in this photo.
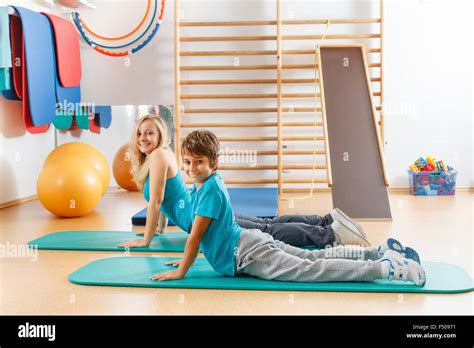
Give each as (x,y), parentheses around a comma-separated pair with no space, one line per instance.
(232,250)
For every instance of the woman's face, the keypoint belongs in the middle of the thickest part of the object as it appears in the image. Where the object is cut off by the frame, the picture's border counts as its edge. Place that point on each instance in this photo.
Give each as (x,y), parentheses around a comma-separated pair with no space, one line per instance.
(148,137)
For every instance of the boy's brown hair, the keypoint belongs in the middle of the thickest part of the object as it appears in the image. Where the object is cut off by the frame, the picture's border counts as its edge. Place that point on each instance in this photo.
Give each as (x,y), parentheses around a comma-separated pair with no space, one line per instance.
(203,143)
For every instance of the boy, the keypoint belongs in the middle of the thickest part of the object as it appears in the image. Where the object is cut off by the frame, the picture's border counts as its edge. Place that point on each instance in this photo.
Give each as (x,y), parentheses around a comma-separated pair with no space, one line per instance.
(232,250)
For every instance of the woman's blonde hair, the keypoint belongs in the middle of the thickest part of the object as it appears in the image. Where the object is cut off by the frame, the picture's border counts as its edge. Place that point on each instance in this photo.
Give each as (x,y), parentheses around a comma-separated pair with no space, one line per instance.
(139,161)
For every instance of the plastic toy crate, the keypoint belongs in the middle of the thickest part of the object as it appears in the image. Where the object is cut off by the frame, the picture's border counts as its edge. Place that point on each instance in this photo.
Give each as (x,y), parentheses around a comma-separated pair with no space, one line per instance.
(433,183)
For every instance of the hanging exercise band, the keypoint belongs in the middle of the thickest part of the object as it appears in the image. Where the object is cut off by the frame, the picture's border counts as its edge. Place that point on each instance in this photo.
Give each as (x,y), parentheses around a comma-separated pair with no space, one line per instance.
(101,48)
(123,36)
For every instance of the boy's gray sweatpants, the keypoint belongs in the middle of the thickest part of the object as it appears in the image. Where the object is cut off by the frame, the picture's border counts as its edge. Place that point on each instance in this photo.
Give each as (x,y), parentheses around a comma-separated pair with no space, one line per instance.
(261,256)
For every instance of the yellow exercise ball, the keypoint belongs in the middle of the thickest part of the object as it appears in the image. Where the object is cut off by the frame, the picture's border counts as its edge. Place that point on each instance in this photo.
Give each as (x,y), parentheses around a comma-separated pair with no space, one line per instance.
(121,169)
(87,151)
(69,187)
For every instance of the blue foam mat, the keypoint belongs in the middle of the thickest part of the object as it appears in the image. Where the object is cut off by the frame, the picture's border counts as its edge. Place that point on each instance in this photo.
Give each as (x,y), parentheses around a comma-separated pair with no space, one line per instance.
(39,65)
(259,202)
(105,115)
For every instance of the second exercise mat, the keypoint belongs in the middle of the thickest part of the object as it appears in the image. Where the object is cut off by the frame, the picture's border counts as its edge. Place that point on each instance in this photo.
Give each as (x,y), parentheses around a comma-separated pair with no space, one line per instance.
(136,271)
(107,241)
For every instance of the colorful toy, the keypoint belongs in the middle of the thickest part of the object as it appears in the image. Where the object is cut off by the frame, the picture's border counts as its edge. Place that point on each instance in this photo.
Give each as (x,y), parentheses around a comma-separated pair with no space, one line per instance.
(420,163)
(437,165)
(440,166)
(427,165)
(414,168)
(430,159)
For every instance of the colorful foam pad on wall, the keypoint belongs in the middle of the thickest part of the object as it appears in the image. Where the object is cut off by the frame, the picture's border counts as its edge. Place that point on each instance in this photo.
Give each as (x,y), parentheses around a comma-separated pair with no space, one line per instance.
(71,93)
(67,97)
(5,50)
(16,38)
(63,120)
(5,81)
(68,55)
(39,65)
(136,271)
(94,125)
(81,115)
(105,115)
(30,127)
(10,93)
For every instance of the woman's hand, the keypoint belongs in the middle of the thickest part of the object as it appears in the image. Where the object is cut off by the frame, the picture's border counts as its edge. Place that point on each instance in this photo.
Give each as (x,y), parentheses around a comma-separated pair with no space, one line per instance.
(172,275)
(137,243)
(174,263)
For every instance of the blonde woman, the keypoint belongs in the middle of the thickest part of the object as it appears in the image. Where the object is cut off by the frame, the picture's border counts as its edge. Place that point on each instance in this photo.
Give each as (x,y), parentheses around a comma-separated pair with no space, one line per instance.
(156,172)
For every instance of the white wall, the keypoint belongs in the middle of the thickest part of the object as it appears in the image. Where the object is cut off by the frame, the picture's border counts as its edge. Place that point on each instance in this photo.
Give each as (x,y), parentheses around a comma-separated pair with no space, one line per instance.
(428,80)
(429,95)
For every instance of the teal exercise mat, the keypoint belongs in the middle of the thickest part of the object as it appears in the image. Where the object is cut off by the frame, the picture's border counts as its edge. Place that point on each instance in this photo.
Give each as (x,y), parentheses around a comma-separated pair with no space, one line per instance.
(107,241)
(136,272)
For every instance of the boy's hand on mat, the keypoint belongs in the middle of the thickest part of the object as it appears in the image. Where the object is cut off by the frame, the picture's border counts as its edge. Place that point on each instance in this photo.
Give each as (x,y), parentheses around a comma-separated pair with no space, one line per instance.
(174,263)
(137,243)
(172,275)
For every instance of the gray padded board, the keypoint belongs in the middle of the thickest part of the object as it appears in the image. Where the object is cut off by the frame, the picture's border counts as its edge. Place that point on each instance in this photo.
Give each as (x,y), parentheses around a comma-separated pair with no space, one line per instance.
(358,184)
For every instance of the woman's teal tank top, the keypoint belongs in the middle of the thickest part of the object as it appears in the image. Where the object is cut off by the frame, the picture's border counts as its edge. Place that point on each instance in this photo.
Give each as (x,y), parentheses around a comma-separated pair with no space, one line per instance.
(176,202)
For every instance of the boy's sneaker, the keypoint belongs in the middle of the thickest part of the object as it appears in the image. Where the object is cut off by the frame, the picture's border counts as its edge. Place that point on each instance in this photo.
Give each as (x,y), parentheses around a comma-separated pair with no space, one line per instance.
(393,244)
(347,236)
(338,214)
(396,267)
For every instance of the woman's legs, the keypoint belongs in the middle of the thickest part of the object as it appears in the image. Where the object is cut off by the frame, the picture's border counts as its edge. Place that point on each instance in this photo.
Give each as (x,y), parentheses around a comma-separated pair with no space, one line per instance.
(293,233)
(314,220)
(261,256)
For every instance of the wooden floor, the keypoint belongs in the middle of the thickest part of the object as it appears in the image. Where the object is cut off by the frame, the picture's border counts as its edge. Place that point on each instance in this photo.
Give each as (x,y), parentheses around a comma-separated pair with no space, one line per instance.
(440,228)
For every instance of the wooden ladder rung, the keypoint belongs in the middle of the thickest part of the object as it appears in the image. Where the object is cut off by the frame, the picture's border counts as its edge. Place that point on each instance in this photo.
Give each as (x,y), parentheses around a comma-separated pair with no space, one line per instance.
(272,167)
(253,67)
(273,37)
(246,110)
(248,124)
(257,52)
(229,53)
(254,81)
(289,152)
(255,96)
(284,22)
(305,181)
(289,138)
(249,96)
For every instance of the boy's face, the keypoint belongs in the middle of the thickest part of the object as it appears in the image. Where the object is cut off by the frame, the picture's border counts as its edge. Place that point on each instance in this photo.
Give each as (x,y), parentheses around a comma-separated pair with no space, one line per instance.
(198,168)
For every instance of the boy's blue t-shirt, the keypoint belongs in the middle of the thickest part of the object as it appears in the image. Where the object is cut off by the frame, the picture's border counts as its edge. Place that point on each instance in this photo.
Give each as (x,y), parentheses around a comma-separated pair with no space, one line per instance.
(221,239)
(176,203)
